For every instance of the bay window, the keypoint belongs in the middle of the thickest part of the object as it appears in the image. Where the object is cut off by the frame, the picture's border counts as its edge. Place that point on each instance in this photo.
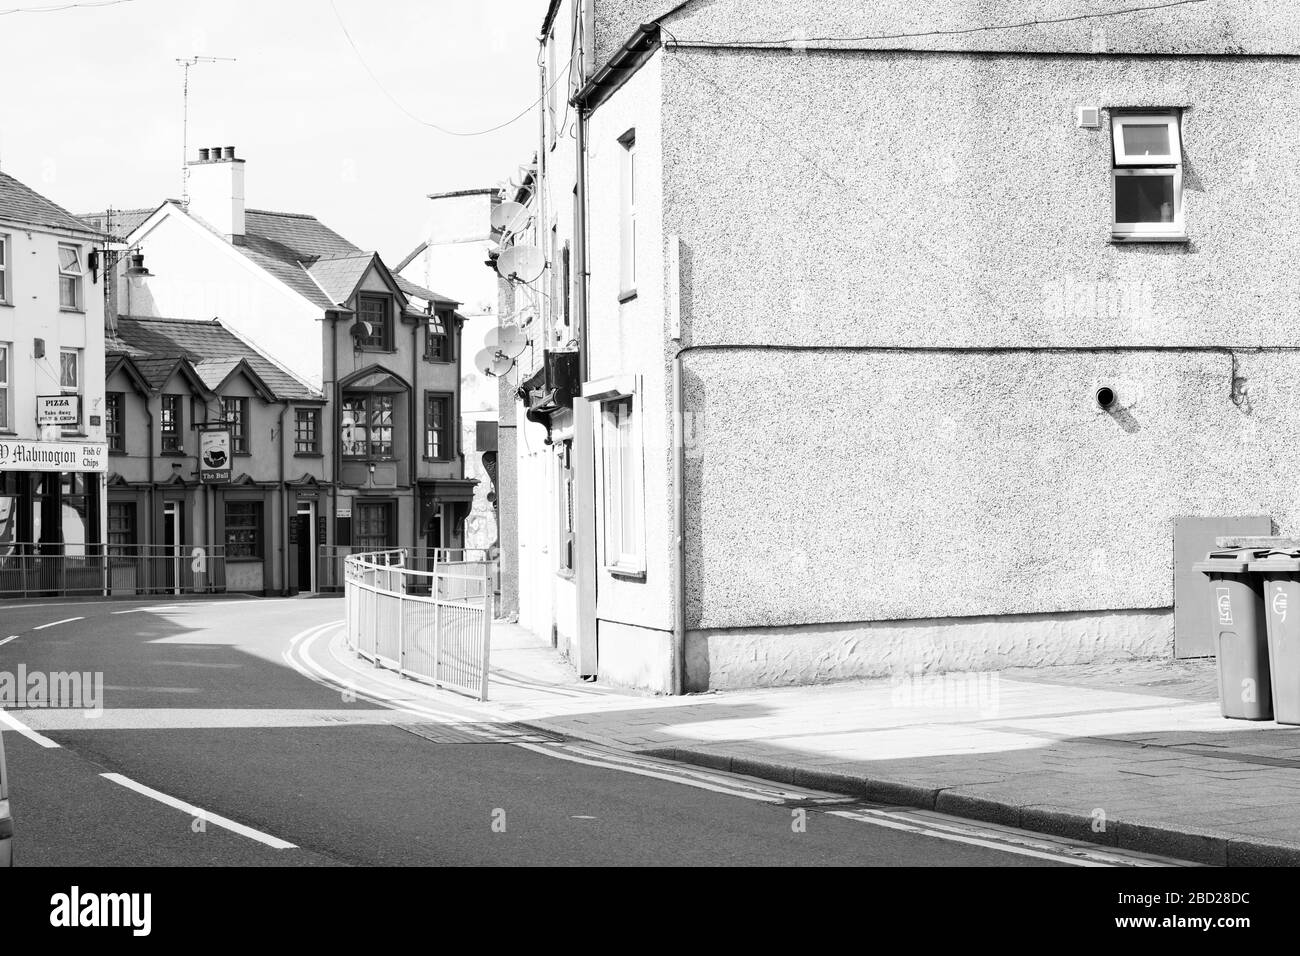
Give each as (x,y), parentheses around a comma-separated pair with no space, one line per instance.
(367,425)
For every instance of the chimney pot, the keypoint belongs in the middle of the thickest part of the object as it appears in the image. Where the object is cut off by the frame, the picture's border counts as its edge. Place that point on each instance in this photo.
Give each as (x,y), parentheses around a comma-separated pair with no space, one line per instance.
(228,152)
(203,155)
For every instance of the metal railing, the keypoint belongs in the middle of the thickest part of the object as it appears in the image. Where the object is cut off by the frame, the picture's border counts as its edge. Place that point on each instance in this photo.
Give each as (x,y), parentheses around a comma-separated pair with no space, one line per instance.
(115,570)
(330,558)
(433,625)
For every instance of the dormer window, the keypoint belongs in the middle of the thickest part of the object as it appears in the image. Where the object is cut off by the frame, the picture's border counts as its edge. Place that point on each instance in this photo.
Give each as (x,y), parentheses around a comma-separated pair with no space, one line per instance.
(437,339)
(375,310)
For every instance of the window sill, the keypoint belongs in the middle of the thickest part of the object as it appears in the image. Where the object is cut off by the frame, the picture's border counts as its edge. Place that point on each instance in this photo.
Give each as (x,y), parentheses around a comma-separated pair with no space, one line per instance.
(72,311)
(439,361)
(626,296)
(230,560)
(437,461)
(307,454)
(7,305)
(117,452)
(172,454)
(626,571)
(1126,238)
(565,574)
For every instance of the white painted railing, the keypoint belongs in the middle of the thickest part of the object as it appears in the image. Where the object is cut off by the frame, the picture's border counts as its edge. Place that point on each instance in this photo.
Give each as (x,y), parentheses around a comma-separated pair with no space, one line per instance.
(433,625)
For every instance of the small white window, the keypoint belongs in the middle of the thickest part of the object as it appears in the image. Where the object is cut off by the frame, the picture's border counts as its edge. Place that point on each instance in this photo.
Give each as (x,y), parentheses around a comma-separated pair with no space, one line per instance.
(70,382)
(1148,176)
(627,281)
(4,387)
(622,470)
(70,274)
(4,268)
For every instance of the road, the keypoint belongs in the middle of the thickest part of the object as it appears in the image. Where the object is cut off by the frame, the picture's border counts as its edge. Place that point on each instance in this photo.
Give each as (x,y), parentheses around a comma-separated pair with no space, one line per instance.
(213,750)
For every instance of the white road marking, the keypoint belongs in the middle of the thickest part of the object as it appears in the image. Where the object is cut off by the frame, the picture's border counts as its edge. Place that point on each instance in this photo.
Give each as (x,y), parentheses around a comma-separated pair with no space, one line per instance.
(13,723)
(1024,843)
(11,637)
(66,620)
(274,842)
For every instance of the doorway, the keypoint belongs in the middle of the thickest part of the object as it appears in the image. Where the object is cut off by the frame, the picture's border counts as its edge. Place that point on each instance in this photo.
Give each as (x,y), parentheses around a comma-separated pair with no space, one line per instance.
(303,535)
(172,514)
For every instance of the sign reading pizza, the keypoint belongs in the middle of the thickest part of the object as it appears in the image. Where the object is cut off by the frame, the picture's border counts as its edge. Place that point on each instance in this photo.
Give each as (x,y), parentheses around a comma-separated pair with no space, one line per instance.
(58,409)
(214,456)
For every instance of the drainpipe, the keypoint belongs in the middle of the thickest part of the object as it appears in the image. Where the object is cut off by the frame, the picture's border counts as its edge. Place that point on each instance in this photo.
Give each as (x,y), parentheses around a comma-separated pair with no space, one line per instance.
(334,398)
(679,529)
(284,512)
(149,454)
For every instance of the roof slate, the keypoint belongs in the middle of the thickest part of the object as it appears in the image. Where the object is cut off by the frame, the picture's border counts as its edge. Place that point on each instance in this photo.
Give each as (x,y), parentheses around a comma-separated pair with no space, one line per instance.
(210,347)
(21,203)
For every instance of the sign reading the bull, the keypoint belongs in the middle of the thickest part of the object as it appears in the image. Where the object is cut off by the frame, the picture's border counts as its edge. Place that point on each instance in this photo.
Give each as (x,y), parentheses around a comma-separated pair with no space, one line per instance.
(214,456)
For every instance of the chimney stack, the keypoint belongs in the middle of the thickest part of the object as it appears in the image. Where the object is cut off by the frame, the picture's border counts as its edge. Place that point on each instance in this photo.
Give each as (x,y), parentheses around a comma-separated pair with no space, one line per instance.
(217,190)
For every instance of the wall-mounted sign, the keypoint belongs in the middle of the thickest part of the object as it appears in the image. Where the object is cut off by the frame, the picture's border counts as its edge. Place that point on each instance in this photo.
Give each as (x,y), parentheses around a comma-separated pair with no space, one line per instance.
(58,409)
(214,456)
(52,456)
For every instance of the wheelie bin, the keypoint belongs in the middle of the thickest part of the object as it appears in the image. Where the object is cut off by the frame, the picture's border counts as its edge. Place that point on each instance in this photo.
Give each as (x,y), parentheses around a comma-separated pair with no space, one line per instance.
(1281,576)
(1240,633)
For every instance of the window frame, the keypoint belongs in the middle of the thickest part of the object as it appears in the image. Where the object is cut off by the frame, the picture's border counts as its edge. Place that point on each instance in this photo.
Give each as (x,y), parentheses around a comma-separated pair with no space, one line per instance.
(627,276)
(620,556)
(77,277)
(258,546)
(448,443)
(385,337)
(238,425)
(132,529)
(6,370)
(1125,166)
(178,423)
(115,422)
(387,507)
(1167,118)
(6,297)
(313,415)
(78,371)
(566,537)
(446,354)
(369,454)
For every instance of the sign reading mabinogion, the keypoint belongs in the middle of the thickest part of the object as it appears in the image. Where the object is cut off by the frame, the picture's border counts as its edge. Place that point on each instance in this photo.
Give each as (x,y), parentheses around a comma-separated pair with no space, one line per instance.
(52,456)
(214,455)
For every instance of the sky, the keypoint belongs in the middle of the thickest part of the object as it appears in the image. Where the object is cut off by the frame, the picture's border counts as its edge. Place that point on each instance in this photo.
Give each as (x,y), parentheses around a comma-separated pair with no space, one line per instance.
(92,111)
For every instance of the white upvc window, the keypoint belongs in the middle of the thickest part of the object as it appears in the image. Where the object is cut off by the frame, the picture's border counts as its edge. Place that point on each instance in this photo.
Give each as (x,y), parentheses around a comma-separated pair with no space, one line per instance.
(70,382)
(627,218)
(621,451)
(1147,176)
(70,277)
(4,268)
(5,351)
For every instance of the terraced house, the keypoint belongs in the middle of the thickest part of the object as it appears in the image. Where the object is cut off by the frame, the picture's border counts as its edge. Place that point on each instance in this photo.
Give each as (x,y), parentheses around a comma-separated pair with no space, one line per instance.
(374,355)
(52,461)
(165,379)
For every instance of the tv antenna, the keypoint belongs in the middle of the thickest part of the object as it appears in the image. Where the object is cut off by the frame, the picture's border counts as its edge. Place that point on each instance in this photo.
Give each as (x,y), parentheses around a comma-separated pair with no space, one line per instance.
(186,63)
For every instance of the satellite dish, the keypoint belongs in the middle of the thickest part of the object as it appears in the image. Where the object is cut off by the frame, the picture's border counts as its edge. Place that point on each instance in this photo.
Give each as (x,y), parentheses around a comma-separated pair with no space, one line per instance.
(511,340)
(509,216)
(491,339)
(525,263)
(502,364)
(485,359)
(362,329)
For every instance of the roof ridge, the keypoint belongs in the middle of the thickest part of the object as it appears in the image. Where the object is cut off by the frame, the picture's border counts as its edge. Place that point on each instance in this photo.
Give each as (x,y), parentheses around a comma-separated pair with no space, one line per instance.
(287,215)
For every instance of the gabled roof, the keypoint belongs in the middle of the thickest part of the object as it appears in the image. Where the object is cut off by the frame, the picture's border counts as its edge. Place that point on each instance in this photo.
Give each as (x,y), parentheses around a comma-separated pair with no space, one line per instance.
(123,361)
(158,370)
(215,352)
(340,276)
(428,295)
(22,204)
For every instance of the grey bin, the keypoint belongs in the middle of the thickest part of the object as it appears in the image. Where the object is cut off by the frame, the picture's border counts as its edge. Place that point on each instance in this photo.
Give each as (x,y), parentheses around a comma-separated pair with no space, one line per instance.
(1281,577)
(1240,633)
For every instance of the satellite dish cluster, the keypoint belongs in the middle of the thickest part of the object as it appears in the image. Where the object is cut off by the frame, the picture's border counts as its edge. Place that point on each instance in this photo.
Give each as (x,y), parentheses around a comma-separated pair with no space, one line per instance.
(522,263)
(502,346)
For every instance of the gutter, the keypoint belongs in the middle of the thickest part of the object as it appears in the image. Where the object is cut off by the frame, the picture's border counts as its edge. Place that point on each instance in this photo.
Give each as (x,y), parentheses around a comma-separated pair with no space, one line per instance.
(621,66)
(284,512)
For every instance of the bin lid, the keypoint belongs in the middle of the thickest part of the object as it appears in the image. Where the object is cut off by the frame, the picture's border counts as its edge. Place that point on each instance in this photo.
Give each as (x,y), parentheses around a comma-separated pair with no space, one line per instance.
(1276,561)
(1229,561)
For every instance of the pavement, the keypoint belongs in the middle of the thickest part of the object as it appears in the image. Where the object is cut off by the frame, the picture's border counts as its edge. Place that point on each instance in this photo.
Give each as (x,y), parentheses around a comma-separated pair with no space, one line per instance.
(1132,755)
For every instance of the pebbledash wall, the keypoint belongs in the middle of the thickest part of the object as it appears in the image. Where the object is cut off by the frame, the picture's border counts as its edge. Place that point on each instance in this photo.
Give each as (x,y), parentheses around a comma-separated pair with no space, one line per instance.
(898,300)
